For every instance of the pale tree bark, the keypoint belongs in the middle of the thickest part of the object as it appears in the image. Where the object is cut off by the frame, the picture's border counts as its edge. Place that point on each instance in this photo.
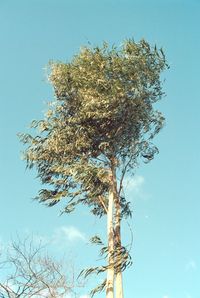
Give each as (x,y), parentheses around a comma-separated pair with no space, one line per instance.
(119,285)
(110,235)
(118,278)
(117,237)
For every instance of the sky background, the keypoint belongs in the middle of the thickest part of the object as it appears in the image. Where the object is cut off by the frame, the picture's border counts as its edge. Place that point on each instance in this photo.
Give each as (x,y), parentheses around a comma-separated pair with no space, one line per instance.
(164,193)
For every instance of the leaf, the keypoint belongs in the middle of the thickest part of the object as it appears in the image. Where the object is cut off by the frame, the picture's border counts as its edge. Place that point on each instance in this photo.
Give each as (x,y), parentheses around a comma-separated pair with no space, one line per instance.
(96,240)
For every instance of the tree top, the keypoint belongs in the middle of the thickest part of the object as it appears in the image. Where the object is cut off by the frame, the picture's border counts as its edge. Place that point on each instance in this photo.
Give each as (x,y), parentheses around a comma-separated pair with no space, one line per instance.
(102,117)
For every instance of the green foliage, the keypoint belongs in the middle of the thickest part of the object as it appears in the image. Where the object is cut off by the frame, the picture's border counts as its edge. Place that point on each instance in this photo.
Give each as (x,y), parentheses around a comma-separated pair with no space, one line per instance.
(103,109)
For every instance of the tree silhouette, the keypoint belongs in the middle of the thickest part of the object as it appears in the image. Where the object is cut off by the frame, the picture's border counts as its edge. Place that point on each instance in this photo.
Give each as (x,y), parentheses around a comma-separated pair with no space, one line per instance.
(31,272)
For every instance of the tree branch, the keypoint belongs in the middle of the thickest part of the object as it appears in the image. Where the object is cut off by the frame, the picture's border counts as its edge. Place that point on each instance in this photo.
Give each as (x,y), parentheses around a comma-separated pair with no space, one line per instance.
(122,177)
(103,204)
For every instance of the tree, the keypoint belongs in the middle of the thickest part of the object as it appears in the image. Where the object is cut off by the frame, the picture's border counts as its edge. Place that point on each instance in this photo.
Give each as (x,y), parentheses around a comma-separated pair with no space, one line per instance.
(29,272)
(99,126)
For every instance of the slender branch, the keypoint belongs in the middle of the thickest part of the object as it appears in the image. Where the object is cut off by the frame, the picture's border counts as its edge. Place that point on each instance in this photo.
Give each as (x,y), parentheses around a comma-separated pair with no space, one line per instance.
(103,204)
(131,242)
(122,177)
(8,290)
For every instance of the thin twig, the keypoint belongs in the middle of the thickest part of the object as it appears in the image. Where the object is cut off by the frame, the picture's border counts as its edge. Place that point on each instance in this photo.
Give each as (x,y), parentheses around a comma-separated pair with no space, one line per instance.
(122,177)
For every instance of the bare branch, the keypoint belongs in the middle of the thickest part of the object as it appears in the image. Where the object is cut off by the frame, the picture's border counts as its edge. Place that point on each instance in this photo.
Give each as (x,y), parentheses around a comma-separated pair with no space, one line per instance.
(33,273)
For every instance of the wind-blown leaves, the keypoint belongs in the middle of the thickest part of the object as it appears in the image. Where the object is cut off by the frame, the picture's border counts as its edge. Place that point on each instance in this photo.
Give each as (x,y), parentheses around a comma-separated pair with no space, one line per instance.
(96,240)
(98,289)
(103,107)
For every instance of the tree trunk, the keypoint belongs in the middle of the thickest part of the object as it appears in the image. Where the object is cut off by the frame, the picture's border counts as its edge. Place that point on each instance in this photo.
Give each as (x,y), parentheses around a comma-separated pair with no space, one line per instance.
(118,261)
(117,240)
(110,271)
(119,284)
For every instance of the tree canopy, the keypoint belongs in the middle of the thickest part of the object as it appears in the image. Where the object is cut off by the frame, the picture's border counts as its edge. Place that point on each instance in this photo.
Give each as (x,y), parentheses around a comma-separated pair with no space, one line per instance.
(103,110)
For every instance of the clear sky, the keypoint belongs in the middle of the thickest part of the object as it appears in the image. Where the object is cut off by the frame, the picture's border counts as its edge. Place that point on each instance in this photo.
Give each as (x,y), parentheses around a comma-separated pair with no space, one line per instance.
(165,193)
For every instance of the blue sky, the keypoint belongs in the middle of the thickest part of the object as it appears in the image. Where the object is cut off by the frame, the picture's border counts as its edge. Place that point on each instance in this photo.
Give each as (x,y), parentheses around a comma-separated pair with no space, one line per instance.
(164,193)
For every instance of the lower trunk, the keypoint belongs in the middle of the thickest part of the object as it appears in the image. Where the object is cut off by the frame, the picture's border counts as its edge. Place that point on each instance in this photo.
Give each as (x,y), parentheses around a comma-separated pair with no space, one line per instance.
(119,285)
(118,245)
(118,260)
(110,270)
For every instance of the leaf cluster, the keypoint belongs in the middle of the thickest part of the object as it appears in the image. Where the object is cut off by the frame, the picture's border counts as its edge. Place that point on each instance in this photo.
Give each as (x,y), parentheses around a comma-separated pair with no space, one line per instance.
(120,255)
(103,109)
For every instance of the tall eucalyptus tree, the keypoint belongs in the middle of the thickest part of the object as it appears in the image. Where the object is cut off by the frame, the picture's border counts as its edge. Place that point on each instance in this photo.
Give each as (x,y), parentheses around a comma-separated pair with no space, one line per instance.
(100,124)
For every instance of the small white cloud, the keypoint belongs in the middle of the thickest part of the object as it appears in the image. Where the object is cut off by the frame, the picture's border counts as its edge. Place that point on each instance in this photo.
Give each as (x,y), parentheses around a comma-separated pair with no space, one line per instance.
(68,233)
(191,265)
(40,239)
(134,187)
(84,296)
(134,184)
(165,296)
